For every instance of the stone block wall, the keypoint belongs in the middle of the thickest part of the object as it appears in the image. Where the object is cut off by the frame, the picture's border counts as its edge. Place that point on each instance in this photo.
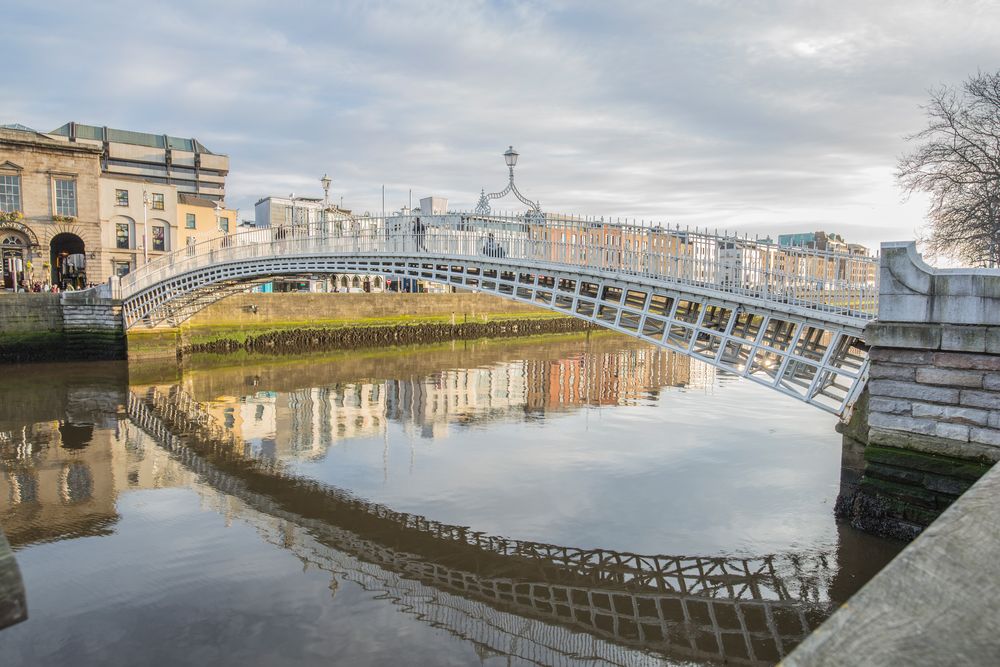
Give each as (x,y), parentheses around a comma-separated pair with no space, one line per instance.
(256,308)
(68,326)
(92,326)
(31,326)
(934,392)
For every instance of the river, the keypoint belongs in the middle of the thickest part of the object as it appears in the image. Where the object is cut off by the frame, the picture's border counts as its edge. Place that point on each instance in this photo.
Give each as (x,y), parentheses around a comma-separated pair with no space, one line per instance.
(565,500)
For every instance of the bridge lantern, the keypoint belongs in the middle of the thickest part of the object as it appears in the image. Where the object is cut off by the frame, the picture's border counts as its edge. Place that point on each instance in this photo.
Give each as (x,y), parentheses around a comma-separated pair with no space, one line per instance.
(510,157)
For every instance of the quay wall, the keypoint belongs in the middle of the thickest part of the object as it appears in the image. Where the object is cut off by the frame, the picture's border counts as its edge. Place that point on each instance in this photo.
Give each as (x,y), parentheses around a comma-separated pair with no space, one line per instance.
(256,308)
(933,412)
(300,322)
(86,325)
(54,327)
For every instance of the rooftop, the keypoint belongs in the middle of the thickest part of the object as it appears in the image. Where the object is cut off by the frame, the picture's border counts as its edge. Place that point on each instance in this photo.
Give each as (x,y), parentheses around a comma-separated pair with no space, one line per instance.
(195,200)
(102,133)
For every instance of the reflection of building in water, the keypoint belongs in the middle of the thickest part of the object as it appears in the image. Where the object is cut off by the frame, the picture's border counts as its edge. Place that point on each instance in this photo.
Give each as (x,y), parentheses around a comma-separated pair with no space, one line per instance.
(702,376)
(61,478)
(305,422)
(610,378)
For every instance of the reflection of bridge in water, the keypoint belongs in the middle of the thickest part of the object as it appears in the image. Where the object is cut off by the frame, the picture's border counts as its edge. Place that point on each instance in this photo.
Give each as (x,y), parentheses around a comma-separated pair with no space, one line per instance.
(528,599)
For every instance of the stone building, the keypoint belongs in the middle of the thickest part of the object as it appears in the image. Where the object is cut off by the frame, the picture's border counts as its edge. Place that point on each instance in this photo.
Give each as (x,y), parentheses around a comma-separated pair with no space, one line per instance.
(50,226)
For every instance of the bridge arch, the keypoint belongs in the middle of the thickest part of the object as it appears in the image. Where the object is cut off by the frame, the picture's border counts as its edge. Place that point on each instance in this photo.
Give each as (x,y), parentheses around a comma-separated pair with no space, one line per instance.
(780,318)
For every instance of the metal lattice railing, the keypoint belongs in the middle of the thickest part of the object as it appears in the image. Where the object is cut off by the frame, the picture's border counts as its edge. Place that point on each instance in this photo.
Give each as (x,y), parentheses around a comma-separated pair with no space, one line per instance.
(824,282)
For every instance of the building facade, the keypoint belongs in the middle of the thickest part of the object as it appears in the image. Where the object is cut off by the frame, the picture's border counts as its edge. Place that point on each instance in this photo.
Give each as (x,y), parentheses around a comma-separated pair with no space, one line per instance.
(278,211)
(135,231)
(50,225)
(200,219)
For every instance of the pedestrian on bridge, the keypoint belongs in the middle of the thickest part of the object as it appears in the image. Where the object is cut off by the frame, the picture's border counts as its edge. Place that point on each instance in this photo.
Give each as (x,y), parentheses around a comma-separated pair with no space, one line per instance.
(418,234)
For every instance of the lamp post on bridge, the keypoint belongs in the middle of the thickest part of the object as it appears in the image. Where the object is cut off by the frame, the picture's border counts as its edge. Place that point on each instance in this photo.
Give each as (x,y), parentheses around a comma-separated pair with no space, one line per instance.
(483,207)
(325,182)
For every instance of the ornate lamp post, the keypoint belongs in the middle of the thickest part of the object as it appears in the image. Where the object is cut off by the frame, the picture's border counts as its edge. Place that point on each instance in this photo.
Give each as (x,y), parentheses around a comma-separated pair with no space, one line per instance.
(325,182)
(483,207)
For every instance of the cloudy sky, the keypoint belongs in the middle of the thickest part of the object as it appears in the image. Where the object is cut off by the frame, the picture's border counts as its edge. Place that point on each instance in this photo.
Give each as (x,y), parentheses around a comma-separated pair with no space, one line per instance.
(757,116)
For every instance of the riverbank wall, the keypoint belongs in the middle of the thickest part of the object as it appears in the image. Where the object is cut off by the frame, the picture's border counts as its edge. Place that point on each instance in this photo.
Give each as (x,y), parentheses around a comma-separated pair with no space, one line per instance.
(72,326)
(274,323)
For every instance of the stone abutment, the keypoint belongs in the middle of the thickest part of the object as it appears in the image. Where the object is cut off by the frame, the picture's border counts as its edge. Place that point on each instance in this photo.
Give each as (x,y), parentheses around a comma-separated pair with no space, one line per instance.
(933,399)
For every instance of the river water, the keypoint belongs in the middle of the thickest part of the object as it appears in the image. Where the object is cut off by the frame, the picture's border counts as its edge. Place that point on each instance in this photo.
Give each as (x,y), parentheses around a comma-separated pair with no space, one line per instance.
(568,500)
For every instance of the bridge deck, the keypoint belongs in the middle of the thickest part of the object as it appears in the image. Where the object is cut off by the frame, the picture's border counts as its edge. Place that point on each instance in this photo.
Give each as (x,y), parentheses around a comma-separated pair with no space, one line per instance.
(787,318)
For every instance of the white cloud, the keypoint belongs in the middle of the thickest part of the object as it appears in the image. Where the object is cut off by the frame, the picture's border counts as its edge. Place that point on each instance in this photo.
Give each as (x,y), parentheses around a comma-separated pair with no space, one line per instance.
(760,116)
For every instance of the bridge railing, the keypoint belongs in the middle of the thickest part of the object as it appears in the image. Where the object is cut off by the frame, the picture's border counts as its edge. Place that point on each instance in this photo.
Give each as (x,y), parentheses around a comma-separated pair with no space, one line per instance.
(827,281)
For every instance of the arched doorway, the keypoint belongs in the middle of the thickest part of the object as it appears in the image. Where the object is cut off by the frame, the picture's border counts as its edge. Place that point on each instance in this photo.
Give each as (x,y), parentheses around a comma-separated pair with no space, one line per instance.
(13,251)
(69,261)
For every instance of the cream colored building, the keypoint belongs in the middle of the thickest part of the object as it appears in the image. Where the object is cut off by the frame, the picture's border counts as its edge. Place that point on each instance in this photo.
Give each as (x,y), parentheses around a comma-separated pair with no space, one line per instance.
(133,232)
(200,219)
(50,226)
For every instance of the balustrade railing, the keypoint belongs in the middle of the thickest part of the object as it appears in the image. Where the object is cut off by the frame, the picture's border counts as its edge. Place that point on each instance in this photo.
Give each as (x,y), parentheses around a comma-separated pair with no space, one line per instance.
(841,283)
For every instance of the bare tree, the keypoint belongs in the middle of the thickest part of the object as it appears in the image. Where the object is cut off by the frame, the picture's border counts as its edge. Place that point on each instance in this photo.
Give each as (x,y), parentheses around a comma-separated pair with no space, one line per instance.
(958,164)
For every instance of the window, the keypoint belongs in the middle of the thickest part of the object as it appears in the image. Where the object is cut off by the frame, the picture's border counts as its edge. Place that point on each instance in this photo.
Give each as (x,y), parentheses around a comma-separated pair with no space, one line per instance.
(10,193)
(66,196)
(121,269)
(189,221)
(157,201)
(159,242)
(223,224)
(121,197)
(121,235)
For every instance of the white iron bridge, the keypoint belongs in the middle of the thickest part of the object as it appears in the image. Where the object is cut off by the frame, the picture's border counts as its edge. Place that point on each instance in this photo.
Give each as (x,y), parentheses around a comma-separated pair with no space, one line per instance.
(787,318)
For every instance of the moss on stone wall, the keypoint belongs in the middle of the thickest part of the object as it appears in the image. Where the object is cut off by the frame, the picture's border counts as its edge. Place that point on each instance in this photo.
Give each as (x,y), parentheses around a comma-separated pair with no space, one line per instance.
(902,490)
(296,340)
(32,346)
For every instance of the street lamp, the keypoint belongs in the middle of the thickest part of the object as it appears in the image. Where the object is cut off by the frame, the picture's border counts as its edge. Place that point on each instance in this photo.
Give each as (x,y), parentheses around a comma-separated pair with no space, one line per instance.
(145,227)
(219,210)
(325,182)
(510,157)
(483,207)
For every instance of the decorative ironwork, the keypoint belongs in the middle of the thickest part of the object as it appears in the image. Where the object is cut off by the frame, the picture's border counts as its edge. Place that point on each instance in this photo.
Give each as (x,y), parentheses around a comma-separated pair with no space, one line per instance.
(787,318)
(483,207)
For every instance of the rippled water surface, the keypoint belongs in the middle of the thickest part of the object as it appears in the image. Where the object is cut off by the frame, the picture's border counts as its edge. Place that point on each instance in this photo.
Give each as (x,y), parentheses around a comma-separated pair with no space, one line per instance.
(565,500)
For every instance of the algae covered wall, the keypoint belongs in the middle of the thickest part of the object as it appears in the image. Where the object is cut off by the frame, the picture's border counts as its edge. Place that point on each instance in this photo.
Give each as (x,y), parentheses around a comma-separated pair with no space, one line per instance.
(256,309)
(70,326)
(31,327)
(300,321)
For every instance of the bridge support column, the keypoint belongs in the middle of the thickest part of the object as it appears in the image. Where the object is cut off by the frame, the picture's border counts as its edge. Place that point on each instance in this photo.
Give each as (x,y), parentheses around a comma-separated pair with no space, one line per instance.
(934,393)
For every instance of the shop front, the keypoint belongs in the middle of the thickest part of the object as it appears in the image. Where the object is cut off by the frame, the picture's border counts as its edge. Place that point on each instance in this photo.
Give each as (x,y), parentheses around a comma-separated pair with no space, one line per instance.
(16,243)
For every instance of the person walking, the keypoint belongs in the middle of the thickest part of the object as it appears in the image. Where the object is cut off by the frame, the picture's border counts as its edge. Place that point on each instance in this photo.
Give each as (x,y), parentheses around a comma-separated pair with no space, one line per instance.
(418,233)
